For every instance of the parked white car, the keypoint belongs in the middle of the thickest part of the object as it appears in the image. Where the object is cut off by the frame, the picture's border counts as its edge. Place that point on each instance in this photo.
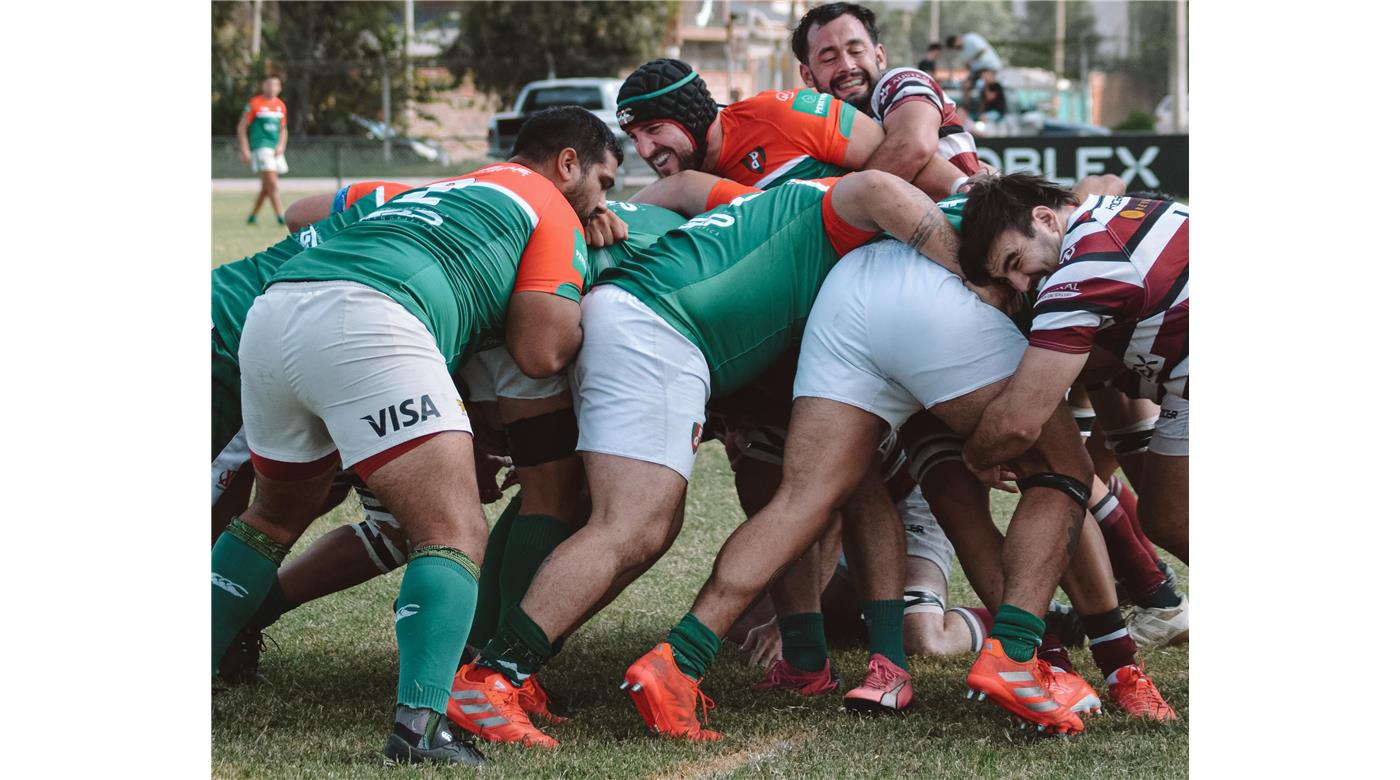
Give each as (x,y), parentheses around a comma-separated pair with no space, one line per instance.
(598,95)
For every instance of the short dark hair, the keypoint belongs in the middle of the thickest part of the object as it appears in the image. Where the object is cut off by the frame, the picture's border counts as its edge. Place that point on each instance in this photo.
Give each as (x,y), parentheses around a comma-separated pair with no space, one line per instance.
(996,203)
(935,45)
(552,130)
(952,41)
(824,14)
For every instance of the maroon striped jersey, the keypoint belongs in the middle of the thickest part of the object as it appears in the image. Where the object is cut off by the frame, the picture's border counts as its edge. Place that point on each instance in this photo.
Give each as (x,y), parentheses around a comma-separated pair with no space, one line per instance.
(1122,285)
(903,85)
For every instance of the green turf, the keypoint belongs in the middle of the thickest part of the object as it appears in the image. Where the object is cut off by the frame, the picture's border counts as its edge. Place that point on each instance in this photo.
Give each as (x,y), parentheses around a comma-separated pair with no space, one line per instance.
(333,667)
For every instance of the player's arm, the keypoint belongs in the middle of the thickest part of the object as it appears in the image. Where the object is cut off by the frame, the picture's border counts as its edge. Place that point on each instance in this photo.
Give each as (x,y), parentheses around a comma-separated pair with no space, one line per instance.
(910,150)
(1107,184)
(282,136)
(866,137)
(687,193)
(875,201)
(309,210)
(242,132)
(543,332)
(1011,423)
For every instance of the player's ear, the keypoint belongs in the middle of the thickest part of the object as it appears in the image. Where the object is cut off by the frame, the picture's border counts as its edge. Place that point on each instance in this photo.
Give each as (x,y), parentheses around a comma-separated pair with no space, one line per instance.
(566,164)
(806,74)
(880,56)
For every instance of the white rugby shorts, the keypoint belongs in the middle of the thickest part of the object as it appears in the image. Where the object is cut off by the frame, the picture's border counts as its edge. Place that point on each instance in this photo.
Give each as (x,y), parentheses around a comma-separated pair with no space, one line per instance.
(492,373)
(267,159)
(923,537)
(892,332)
(1173,434)
(337,365)
(640,387)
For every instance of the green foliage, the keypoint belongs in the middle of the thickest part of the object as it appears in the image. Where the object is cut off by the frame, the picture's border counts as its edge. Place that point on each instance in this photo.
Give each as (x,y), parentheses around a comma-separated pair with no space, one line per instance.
(1137,121)
(505,45)
(331,57)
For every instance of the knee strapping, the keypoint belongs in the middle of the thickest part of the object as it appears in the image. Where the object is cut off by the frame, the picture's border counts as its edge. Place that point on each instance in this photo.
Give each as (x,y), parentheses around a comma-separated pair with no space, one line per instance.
(543,438)
(932,450)
(1077,491)
(1132,440)
(1084,418)
(918,600)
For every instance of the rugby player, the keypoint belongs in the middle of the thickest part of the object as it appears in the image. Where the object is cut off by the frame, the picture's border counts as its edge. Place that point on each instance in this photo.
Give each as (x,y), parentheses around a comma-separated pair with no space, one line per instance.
(837,46)
(1112,273)
(762,141)
(371,322)
(702,312)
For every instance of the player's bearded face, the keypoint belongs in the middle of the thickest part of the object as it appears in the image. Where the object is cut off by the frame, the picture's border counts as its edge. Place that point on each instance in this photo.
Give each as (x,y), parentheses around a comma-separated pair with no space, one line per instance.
(843,61)
(1023,261)
(665,147)
(589,193)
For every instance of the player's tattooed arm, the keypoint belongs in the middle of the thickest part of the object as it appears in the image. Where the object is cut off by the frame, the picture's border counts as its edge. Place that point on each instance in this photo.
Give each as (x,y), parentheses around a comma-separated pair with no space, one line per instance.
(875,200)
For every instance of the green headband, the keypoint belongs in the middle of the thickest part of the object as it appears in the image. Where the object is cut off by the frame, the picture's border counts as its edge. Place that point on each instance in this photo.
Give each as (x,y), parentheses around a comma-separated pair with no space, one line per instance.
(689,77)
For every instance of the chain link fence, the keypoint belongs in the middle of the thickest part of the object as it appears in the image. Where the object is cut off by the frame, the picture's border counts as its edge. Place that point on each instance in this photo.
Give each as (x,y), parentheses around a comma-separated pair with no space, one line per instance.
(357,158)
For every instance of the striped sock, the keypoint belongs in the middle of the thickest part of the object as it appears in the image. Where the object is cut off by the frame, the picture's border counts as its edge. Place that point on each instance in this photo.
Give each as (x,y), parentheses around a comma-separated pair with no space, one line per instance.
(1109,641)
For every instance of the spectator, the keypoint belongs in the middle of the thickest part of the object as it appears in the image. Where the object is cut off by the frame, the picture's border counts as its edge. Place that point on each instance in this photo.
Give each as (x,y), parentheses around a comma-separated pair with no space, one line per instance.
(929,64)
(262,141)
(991,100)
(976,55)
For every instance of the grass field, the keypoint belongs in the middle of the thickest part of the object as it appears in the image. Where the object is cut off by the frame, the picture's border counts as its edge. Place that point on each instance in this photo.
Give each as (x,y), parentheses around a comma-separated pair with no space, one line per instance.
(333,667)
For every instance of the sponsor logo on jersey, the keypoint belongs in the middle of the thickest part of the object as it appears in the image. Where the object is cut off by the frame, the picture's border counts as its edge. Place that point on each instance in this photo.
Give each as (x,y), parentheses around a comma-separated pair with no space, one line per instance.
(1168,414)
(1066,255)
(812,102)
(755,159)
(1132,214)
(308,237)
(1147,366)
(462,405)
(1057,295)
(393,418)
(695,432)
(407,610)
(785,95)
(220,581)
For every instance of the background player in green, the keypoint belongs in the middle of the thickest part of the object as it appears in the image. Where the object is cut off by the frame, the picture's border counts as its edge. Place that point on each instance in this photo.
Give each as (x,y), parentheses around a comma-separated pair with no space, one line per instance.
(262,141)
(352,363)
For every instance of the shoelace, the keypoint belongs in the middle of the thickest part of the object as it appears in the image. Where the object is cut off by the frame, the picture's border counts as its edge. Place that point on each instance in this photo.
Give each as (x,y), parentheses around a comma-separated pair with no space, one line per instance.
(706,703)
(1045,677)
(883,675)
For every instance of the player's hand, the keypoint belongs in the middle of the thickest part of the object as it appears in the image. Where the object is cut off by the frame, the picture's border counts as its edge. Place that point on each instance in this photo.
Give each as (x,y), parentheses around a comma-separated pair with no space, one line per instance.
(994,477)
(764,644)
(245,156)
(487,467)
(606,229)
(998,295)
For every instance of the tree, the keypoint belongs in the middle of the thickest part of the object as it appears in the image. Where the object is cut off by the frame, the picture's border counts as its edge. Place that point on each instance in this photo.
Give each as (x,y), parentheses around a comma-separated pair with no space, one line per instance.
(505,45)
(331,57)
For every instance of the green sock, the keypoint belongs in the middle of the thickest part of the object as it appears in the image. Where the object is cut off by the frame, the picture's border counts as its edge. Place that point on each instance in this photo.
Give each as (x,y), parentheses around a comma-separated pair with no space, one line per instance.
(488,597)
(804,640)
(1019,632)
(532,539)
(274,606)
(431,618)
(518,649)
(694,646)
(885,622)
(244,564)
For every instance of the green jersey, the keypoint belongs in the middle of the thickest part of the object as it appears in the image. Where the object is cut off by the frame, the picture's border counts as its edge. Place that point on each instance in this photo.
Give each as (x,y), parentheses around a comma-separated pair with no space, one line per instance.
(645,224)
(267,118)
(453,253)
(739,281)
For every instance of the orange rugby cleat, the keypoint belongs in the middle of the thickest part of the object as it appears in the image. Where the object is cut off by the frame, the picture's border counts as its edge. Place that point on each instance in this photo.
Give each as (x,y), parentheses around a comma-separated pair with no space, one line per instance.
(1023,689)
(484,704)
(1136,695)
(665,697)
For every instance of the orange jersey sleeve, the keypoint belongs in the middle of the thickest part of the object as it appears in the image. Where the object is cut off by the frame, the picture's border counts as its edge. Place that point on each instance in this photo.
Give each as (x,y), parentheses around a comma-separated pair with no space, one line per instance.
(843,235)
(381,192)
(778,128)
(725,191)
(555,257)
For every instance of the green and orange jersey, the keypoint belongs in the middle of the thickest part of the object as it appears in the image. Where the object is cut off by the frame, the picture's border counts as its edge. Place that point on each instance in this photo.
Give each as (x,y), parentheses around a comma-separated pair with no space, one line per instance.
(233,286)
(452,253)
(267,120)
(780,135)
(738,281)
